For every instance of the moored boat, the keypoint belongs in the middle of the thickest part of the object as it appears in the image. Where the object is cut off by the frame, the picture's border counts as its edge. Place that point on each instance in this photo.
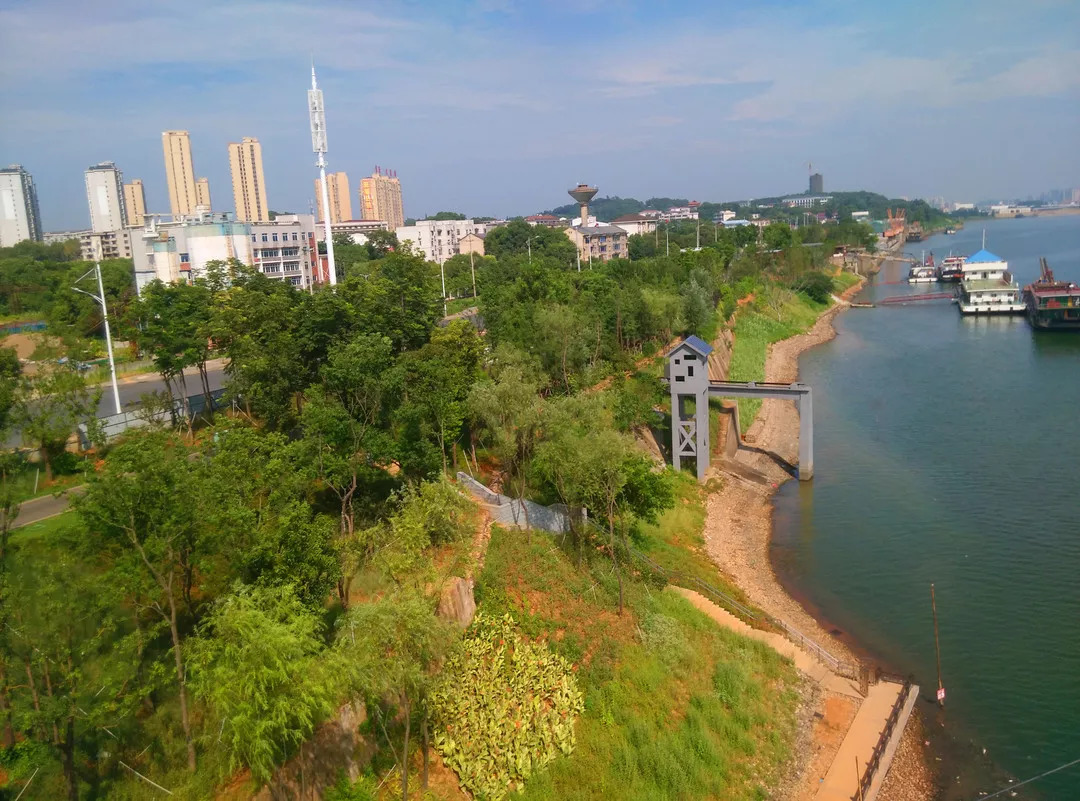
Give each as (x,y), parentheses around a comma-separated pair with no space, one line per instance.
(951,270)
(950,231)
(924,272)
(987,286)
(1052,305)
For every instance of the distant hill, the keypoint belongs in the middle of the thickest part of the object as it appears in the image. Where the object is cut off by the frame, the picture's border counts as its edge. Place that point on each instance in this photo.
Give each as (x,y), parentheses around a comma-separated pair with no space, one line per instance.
(608,208)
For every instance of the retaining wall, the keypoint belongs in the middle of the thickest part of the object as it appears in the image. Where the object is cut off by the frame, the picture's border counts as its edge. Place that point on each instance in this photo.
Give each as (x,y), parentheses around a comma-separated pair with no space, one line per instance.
(513,513)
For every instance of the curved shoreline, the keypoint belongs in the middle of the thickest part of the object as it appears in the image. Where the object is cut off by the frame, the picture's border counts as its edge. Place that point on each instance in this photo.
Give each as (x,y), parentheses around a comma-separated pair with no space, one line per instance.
(738,534)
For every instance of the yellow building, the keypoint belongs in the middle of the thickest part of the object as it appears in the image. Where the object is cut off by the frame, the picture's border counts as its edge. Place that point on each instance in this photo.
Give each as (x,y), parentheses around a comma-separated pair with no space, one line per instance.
(202,193)
(598,242)
(249,185)
(380,197)
(135,202)
(179,172)
(337,186)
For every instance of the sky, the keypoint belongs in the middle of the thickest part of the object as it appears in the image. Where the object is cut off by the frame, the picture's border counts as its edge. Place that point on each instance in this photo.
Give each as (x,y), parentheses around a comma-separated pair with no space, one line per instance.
(496,107)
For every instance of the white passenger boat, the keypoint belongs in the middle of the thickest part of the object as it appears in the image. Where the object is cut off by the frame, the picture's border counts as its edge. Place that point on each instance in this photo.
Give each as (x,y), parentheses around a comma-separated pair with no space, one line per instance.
(987,286)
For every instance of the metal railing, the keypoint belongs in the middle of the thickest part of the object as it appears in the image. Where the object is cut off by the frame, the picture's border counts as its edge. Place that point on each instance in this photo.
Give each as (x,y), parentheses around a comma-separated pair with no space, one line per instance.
(114,425)
(706,589)
(872,765)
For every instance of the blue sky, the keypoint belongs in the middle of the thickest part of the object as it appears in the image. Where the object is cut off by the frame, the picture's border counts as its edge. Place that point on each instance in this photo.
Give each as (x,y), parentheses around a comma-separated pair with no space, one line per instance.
(497,106)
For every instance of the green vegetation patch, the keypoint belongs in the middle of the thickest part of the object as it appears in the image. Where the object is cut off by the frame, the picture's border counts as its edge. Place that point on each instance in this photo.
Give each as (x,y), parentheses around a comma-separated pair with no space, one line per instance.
(505,706)
(777,314)
(675,708)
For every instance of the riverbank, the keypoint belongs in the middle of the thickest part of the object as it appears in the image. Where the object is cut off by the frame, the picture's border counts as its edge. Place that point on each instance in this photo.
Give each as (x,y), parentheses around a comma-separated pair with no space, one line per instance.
(738,530)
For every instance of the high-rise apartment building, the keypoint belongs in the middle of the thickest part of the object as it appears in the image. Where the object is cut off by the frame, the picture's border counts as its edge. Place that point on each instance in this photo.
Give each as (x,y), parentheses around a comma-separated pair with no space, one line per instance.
(105,197)
(179,173)
(202,193)
(337,186)
(380,197)
(135,202)
(20,217)
(248,182)
(817,184)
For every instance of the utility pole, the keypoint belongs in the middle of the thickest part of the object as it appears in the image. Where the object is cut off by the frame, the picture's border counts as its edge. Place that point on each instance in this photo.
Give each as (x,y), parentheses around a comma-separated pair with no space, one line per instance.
(697,245)
(667,241)
(100,298)
(937,650)
(442,274)
(317,113)
(472,269)
(528,242)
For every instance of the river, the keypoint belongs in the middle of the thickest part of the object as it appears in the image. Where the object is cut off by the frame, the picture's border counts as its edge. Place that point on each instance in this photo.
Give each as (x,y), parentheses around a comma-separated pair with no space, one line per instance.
(947,452)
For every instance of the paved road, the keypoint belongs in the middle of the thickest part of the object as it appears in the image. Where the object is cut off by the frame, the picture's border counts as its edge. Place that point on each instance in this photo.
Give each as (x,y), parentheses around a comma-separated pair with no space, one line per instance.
(38,509)
(133,387)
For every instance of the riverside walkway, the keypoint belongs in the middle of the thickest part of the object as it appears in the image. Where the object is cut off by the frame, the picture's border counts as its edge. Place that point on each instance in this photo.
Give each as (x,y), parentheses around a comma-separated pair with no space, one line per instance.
(875,712)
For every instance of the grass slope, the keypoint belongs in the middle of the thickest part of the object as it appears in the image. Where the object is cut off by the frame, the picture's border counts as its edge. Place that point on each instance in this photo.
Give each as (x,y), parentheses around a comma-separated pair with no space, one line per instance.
(675,707)
(757,327)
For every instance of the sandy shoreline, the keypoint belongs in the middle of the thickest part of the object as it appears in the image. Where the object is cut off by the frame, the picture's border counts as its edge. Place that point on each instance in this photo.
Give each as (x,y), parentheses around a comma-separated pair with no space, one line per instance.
(738,531)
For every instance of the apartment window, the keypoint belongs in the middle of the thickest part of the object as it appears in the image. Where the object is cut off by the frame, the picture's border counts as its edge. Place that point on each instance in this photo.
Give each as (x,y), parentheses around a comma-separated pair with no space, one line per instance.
(264,238)
(296,281)
(268,253)
(275,237)
(253,238)
(290,251)
(291,266)
(184,257)
(294,236)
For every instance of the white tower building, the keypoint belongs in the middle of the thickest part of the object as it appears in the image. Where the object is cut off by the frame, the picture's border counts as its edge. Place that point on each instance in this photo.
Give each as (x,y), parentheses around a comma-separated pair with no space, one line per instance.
(105,196)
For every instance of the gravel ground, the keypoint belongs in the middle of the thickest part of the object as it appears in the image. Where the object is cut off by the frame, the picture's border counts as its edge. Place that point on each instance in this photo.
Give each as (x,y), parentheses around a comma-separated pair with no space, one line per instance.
(738,529)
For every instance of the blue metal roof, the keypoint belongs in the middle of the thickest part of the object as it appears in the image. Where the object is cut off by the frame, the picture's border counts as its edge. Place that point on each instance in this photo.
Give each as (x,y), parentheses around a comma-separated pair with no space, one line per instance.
(698,344)
(982,257)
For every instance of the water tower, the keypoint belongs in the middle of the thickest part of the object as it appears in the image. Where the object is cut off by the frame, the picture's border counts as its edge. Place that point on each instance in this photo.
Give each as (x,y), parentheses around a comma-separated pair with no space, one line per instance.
(583,193)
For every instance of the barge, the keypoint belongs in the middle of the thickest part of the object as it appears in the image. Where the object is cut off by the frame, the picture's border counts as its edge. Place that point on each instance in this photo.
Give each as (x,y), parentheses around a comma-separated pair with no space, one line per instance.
(1052,305)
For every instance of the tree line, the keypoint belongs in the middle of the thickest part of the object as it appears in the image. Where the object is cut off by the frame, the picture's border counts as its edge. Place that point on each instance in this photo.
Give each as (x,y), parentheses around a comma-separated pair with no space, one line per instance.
(222,588)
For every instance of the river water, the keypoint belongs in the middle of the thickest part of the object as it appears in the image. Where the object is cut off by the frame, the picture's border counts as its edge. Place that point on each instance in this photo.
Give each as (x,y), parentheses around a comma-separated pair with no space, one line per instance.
(947,452)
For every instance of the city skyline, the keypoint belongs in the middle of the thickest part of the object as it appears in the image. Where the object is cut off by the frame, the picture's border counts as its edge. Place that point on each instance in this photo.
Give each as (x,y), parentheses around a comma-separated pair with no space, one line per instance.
(476,104)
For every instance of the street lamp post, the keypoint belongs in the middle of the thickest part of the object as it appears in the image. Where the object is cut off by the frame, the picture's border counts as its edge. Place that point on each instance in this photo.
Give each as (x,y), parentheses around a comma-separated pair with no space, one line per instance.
(100,298)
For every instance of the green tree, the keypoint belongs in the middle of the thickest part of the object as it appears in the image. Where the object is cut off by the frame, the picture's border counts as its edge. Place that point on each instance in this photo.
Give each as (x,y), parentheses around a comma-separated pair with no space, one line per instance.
(509,408)
(518,237)
(174,328)
(380,243)
(68,633)
(256,519)
(51,403)
(400,298)
(10,373)
(777,235)
(258,663)
(253,324)
(344,440)
(403,642)
(433,384)
(137,513)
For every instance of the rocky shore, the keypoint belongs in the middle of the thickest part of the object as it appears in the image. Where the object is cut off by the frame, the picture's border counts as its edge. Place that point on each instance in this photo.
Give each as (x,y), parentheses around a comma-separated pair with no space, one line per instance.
(738,530)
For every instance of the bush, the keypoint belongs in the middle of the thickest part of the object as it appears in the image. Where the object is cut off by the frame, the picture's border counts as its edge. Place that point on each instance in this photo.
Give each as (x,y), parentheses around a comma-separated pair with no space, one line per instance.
(817,286)
(505,708)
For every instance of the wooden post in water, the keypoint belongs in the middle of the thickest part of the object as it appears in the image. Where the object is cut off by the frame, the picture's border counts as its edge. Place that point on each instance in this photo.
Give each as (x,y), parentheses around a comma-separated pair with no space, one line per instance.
(937,649)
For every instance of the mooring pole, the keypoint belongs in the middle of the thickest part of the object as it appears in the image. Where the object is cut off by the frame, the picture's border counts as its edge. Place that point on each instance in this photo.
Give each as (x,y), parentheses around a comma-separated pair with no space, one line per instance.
(937,649)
